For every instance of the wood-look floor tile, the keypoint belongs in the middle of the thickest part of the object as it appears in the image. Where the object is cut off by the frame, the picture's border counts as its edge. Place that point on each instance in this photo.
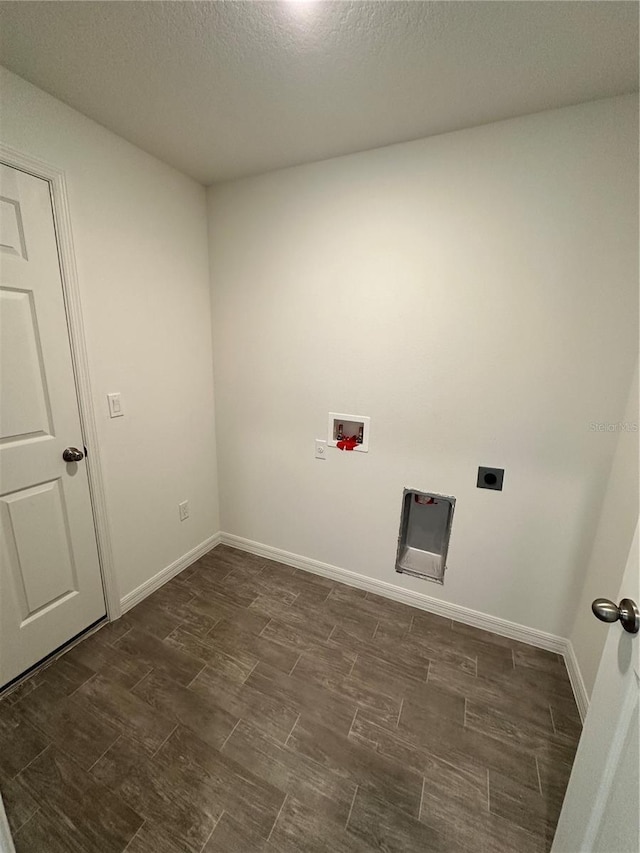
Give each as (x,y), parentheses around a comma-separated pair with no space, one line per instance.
(158,655)
(427,705)
(554,778)
(344,757)
(300,696)
(207,776)
(45,833)
(501,724)
(152,838)
(300,828)
(97,655)
(377,699)
(205,650)
(231,639)
(212,724)
(566,719)
(105,822)
(520,805)
(266,711)
(290,771)
(315,622)
(381,674)
(154,789)
(488,834)
(535,658)
(271,605)
(19,804)
(383,827)
(115,705)
(295,637)
(457,744)
(69,723)
(461,785)
(230,836)
(20,743)
(65,674)
(382,648)
(425,624)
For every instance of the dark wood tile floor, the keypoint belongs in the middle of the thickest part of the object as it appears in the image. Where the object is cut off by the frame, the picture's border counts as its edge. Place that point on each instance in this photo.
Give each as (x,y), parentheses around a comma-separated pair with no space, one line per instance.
(248,706)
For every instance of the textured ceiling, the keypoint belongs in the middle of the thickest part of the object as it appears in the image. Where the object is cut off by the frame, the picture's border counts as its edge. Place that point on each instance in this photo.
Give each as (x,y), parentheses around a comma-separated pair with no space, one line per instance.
(225,89)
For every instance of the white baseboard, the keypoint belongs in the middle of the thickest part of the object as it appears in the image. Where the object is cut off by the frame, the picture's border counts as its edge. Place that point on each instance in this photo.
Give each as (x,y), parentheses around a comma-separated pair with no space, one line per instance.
(139,593)
(513,630)
(576,679)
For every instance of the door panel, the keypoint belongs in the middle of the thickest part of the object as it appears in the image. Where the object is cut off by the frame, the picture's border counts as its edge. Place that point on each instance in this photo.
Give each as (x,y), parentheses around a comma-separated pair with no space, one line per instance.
(36,526)
(50,583)
(25,406)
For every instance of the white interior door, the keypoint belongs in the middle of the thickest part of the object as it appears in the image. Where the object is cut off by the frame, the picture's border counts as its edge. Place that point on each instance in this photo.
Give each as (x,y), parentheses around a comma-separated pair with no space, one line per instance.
(50,583)
(601,810)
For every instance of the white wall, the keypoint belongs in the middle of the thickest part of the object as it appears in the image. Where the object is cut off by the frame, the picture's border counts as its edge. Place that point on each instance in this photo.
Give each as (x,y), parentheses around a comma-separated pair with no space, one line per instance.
(475,294)
(141,244)
(614,534)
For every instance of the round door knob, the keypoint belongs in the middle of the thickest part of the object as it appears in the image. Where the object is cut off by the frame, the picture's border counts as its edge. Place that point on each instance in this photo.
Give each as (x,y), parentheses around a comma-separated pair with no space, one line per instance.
(72,454)
(627,612)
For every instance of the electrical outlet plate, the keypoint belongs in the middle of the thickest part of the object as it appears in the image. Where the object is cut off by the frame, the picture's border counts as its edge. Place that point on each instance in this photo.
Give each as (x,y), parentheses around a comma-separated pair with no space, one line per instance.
(183,510)
(490,478)
(321,448)
(115,405)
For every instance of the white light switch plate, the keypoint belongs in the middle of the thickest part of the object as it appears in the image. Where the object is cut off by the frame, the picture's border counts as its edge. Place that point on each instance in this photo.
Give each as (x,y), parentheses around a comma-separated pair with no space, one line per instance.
(115,405)
(321,448)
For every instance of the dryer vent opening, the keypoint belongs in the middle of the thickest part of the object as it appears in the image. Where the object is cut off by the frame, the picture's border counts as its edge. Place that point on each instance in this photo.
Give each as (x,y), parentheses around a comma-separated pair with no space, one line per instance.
(425,528)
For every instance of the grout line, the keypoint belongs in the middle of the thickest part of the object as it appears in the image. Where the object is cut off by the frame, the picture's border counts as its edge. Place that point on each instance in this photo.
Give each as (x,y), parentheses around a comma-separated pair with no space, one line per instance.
(413,616)
(208,838)
(295,664)
(488,792)
(292,728)
(355,794)
(252,669)
(24,823)
(375,630)
(75,690)
(400,712)
(539,779)
(476,666)
(426,681)
(29,763)
(266,626)
(553,722)
(140,680)
(199,672)
(352,721)
(165,740)
(224,743)
(421,798)
(89,769)
(464,721)
(513,658)
(277,818)
(352,666)
(331,632)
(134,835)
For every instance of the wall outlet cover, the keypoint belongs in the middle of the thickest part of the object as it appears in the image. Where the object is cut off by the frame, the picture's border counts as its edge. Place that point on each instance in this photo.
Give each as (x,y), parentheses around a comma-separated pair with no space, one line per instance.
(490,478)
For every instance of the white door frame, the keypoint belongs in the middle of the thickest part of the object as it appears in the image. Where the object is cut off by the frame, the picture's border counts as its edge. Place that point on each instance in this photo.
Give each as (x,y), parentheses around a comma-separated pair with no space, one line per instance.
(71,290)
